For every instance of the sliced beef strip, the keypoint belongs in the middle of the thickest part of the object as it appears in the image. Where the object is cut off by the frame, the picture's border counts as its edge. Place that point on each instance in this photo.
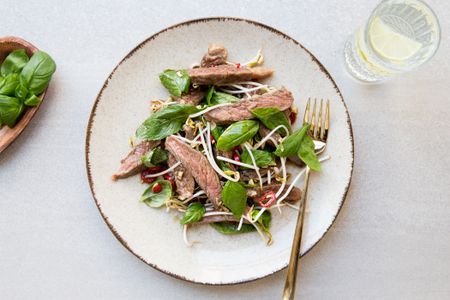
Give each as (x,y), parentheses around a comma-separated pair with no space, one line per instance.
(264,131)
(217,55)
(183,178)
(255,193)
(198,165)
(246,175)
(188,132)
(193,97)
(281,98)
(131,164)
(217,218)
(227,74)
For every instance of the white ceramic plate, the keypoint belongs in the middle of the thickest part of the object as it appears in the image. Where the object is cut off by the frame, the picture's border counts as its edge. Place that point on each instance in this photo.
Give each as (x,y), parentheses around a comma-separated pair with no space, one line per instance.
(156,236)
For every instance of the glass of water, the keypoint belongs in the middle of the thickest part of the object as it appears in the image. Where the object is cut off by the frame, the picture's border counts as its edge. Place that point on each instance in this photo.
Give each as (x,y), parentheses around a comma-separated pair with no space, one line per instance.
(399,36)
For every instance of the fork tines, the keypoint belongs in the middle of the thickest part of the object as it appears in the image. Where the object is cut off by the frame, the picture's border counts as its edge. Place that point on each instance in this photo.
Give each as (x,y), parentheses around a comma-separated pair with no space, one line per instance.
(319,128)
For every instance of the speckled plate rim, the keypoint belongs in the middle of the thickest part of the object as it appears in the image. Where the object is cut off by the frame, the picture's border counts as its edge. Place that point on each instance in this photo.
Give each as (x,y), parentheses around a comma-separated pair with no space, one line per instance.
(139,46)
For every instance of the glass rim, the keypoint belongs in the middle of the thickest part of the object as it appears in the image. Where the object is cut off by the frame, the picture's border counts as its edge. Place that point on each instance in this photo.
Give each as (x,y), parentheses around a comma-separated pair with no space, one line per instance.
(427,7)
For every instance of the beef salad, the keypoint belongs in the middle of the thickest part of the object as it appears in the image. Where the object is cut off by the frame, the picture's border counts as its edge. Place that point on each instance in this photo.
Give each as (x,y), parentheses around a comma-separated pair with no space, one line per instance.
(216,151)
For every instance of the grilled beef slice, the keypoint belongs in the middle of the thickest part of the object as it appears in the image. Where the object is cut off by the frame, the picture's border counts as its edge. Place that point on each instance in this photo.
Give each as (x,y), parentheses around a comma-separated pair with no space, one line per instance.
(184,181)
(282,99)
(131,165)
(217,55)
(227,74)
(193,97)
(255,193)
(264,131)
(198,165)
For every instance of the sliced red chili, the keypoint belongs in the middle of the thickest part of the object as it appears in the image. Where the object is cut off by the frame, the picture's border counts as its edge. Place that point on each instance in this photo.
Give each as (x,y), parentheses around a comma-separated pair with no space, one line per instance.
(211,137)
(268,199)
(144,176)
(169,178)
(238,65)
(236,149)
(292,117)
(156,188)
(236,157)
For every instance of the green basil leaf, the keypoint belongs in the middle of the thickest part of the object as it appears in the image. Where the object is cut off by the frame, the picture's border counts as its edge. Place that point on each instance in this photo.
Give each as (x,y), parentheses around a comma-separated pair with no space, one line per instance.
(10,110)
(234,196)
(271,117)
(265,219)
(157,199)
(307,155)
(165,122)
(219,98)
(176,82)
(217,132)
(37,72)
(262,158)
(32,100)
(8,84)
(237,133)
(21,92)
(194,213)
(291,144)
(231,228)
(14,62)
(154,157)
(209,94)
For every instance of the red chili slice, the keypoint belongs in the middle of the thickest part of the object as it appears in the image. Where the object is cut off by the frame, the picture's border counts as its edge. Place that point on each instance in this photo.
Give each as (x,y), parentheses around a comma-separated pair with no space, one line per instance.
(270,199)
(292,117)
(169,178)
(156,188)
(144,176)
(238,65)
(236,157)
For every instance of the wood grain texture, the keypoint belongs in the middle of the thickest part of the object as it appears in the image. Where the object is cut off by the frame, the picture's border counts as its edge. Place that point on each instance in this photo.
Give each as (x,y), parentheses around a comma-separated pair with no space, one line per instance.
(8,135)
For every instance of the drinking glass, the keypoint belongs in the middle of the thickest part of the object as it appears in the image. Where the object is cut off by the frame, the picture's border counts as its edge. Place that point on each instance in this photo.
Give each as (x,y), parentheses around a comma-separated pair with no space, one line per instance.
(399,36)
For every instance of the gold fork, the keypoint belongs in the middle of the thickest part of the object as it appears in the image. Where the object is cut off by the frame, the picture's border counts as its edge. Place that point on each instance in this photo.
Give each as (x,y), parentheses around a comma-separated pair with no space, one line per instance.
(319,134)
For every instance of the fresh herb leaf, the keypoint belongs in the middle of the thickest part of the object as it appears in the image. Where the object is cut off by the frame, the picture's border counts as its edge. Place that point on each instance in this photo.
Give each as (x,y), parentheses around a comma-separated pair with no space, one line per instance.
(176,82)
(234,196)
(165,122)
(219,98)
(10,110)
(265,219)
(231,227)
(291,144)
(217,132)
(37,72)
(21,91)
(271,117)
(14,62)
(237,133)
(32,100)
(154,157)
(209,94)
(157,199)
(194,213)
(307,155)
(262,158)
(8,84)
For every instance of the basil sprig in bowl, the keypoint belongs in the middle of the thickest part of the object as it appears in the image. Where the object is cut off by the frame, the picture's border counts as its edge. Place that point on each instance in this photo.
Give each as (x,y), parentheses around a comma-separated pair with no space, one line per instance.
(25,73)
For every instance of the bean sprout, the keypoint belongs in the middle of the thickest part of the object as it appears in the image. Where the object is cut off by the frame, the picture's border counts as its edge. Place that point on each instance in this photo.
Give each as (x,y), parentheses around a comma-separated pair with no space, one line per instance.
(164,172)
(231,161)
(208,109)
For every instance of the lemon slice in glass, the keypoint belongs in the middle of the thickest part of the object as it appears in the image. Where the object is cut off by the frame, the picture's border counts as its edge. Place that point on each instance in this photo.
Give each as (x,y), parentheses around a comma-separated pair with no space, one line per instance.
(390,44)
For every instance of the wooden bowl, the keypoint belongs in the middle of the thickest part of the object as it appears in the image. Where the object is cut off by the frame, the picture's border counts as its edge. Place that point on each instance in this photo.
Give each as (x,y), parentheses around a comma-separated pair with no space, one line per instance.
(8,135)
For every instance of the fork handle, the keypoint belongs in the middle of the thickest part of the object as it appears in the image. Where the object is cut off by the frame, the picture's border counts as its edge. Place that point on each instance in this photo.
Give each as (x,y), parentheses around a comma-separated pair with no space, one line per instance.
(289,286)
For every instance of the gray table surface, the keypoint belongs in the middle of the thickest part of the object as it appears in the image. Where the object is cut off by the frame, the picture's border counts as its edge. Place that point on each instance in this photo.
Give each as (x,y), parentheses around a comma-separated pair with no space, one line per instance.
(390,241)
